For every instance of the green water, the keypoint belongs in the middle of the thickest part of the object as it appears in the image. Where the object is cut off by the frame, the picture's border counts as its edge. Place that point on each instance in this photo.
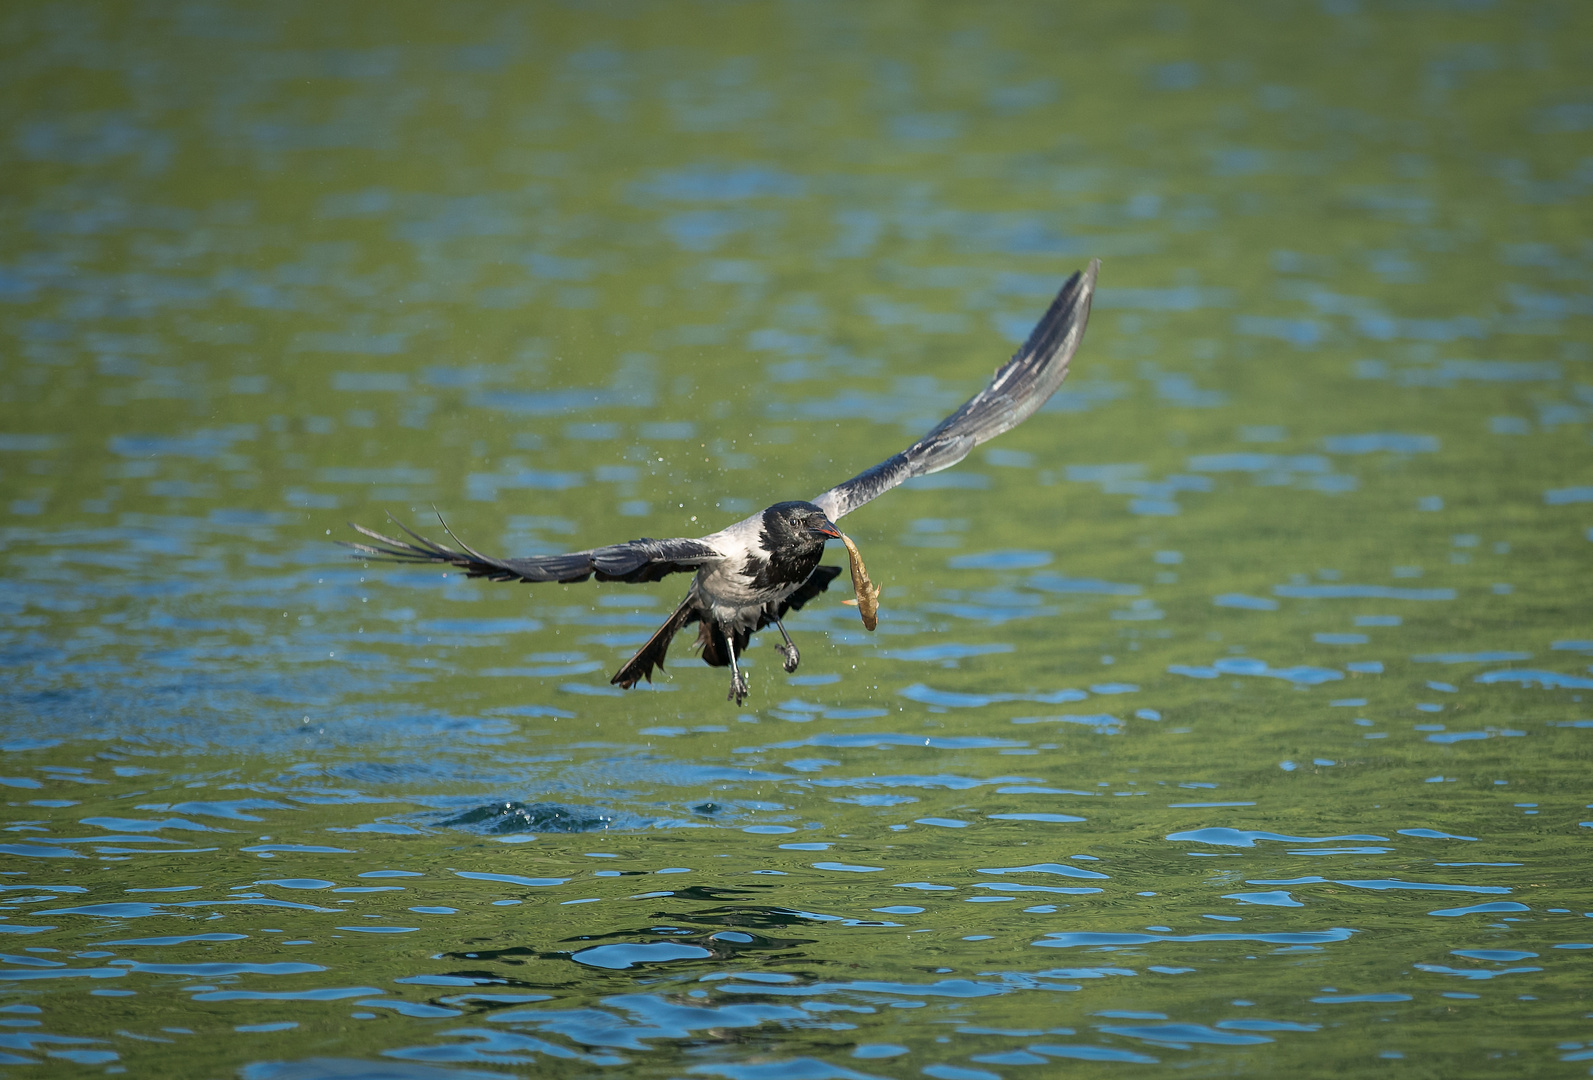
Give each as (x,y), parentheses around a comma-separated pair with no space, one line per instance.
(1228,716)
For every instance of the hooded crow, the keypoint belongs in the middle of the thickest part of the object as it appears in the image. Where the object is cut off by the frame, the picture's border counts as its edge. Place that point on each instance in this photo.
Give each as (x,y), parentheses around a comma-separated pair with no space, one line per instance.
(749,575)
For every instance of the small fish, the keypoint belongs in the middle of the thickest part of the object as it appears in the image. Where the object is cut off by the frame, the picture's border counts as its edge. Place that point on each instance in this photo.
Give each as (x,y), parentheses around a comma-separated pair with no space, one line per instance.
(867,592)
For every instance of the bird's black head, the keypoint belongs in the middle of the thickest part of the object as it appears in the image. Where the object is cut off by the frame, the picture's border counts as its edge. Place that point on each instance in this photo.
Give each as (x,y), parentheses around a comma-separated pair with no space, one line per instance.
(797,525)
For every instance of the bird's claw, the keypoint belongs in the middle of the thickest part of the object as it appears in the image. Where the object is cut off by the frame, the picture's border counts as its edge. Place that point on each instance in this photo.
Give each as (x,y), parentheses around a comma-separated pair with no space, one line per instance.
(789,657)
(738,688)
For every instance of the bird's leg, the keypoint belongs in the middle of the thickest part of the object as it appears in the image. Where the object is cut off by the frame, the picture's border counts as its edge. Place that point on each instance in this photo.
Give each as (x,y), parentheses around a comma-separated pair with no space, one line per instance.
(788,651)
(738,682)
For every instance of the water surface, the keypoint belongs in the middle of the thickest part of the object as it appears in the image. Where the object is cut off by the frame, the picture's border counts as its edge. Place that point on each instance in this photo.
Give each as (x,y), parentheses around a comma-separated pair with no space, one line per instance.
(1227,717)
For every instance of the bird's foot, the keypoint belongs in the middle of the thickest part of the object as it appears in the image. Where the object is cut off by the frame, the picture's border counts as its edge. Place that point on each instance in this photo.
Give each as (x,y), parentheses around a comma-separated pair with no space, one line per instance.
(789,656)
(738,688)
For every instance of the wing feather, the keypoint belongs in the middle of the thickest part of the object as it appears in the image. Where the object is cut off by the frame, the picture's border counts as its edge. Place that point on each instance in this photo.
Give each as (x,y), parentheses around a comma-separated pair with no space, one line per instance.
(1018,388)
(633,562)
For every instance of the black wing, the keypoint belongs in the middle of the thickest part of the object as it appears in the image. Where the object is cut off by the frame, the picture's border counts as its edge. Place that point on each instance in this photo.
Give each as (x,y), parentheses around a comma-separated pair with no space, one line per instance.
(1019,387)
(634,562)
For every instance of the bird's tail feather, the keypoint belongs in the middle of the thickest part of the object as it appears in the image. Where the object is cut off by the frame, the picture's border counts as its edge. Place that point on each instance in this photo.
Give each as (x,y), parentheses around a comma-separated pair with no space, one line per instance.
(651,655)
(715,647)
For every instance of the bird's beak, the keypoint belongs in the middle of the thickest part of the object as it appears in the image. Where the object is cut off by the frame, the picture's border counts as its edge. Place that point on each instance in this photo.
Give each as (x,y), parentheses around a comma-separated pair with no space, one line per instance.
(828,529)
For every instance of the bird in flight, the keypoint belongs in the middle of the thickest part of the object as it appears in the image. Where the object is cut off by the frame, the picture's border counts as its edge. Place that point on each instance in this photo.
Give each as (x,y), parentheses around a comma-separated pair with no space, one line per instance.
(749,575)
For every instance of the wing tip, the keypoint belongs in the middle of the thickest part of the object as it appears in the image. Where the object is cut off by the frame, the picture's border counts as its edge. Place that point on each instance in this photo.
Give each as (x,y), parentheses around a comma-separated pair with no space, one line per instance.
(1070,310)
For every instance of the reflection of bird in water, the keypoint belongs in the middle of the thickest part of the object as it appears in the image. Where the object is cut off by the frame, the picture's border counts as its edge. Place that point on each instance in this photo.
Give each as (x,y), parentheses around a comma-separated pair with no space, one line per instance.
(750,574)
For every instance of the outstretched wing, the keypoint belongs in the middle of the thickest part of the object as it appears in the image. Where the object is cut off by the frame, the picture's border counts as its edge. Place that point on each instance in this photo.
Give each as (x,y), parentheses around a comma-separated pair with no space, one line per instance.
(1019,387)
(634,562)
